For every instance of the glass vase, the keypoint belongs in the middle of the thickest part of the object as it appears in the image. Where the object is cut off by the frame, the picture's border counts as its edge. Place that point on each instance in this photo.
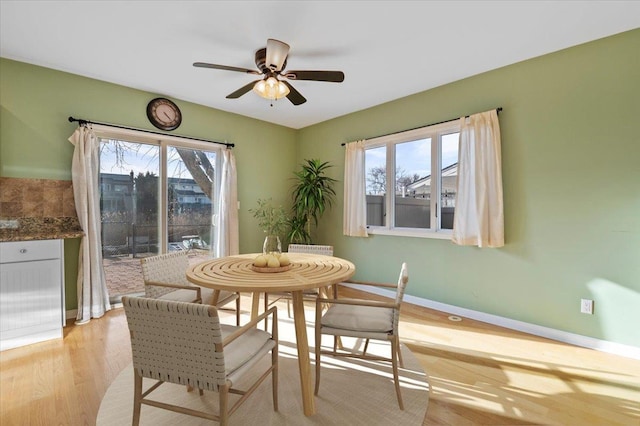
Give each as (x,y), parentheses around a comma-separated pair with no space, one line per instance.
(272,245)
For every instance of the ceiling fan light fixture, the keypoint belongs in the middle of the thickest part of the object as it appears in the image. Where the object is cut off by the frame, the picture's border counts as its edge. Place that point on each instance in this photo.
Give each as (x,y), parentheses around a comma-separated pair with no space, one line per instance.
(271,88)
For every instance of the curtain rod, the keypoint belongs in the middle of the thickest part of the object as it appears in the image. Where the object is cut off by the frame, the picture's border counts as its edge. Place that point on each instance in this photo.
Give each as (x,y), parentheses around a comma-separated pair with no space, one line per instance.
(419,127)
(83,122)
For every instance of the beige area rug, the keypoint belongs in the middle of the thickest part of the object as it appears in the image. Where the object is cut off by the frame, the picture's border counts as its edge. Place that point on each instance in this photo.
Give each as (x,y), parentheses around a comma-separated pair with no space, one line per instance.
(352,392)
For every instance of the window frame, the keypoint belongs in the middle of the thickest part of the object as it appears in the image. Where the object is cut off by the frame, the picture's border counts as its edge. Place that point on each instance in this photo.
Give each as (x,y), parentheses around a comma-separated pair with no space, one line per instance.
(435,132)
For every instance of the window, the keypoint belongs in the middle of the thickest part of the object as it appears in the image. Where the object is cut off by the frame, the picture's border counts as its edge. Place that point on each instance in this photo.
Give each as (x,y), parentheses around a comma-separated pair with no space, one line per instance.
(404,194)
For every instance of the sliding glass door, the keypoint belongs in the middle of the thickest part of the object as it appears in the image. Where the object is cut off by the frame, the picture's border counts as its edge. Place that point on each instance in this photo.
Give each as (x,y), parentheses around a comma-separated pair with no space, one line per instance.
(155,197)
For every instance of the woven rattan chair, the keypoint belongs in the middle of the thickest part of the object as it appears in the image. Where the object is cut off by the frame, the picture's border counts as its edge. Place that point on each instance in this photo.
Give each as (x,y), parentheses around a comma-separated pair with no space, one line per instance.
(184,343)
(165,278)
(311,294)
(365,319)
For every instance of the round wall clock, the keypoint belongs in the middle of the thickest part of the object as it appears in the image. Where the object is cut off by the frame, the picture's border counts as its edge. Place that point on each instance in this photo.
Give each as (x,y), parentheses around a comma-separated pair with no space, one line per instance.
(164,114)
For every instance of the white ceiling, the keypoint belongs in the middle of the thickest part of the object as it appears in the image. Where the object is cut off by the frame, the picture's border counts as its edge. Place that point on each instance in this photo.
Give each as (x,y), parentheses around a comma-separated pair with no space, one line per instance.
(387,49)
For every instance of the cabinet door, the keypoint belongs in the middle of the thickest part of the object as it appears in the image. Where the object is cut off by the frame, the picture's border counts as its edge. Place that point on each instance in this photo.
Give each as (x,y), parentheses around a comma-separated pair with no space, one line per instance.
(30,298)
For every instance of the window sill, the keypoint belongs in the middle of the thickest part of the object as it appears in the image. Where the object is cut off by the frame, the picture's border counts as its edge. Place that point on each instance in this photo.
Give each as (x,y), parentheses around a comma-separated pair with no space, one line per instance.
(414,233)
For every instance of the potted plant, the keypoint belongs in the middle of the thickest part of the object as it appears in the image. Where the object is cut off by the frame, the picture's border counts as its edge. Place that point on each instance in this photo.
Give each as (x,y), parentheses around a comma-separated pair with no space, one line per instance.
(312,194)
(273,221)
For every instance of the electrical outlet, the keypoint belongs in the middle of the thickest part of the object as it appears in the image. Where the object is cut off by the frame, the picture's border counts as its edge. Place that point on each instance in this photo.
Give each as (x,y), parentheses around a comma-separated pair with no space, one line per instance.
(586,306)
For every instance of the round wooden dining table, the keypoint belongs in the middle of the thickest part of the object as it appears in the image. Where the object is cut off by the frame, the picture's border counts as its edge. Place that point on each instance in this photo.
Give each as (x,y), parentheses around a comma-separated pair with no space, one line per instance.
(308,271)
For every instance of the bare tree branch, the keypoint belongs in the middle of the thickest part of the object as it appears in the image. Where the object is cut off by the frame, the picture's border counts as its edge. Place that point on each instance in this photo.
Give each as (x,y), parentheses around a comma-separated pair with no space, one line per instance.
(200,168)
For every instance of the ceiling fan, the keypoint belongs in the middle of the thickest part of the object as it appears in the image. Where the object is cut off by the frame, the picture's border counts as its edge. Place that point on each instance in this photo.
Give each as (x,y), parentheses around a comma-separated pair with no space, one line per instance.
(271,62)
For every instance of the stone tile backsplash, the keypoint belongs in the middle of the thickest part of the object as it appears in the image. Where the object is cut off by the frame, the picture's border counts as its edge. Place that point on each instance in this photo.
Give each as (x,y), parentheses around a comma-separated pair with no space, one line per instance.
(20,197)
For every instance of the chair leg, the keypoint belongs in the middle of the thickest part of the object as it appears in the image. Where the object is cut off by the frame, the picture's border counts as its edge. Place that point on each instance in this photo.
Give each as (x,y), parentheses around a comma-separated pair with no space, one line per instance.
(366,345)
(274,378)
(224,404)
(318,345)
(238,310)
(400,353)
(289,308)
(137,398)
(394,362)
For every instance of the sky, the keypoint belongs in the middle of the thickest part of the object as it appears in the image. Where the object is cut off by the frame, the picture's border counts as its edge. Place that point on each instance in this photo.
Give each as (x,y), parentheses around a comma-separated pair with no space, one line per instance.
(141,158)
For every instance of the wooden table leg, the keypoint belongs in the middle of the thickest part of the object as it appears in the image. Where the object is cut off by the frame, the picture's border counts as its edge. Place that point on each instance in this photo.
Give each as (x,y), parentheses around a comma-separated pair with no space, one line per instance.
(255,304)
(216,296)
(304,364)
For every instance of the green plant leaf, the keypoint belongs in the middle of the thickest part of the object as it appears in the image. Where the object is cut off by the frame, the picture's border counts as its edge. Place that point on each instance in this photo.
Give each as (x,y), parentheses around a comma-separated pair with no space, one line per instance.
(312,193)
(272,220)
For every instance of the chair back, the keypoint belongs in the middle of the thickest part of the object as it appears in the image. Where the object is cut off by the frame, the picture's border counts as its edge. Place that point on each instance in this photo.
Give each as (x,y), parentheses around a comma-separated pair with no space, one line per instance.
(311,249)
(170,268)
(403,280)
(176,342)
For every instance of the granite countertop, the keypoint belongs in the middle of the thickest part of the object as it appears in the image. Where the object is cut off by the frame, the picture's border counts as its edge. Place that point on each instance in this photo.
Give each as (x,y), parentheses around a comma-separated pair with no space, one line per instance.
(40,228)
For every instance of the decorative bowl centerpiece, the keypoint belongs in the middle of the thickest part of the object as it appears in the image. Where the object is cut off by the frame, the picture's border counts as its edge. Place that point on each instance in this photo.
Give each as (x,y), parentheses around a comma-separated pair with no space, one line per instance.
(271,263)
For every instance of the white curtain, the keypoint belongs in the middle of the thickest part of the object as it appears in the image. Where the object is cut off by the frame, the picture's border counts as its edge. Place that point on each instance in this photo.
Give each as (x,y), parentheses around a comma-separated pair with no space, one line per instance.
(479,217)
(354,222)
(227,223)
(93,296)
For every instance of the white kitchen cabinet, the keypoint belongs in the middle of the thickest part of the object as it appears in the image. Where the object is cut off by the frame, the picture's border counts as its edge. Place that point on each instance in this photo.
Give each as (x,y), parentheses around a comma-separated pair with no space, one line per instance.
(31,292)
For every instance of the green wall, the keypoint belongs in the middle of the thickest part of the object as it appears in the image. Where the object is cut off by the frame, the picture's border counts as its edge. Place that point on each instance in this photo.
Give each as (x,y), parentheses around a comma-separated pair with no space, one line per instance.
(35,103)
(571,173)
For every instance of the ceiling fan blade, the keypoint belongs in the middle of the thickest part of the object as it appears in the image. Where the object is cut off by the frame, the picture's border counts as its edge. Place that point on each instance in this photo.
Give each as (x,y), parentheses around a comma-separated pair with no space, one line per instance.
(331,76)
(241,91)
(277,52)
(294,96)
(225,67)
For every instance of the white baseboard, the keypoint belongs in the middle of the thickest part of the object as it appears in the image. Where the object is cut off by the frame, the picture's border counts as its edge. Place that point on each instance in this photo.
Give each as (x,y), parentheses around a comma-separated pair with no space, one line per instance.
(70,316)
(72,313)
(537,330)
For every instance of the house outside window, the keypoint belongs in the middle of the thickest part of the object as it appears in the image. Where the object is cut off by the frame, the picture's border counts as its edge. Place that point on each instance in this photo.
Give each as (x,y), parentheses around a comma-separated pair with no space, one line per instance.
(419,168)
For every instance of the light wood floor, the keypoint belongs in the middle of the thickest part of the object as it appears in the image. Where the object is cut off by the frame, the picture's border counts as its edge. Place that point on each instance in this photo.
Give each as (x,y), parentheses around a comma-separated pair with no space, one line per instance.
(479,374)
